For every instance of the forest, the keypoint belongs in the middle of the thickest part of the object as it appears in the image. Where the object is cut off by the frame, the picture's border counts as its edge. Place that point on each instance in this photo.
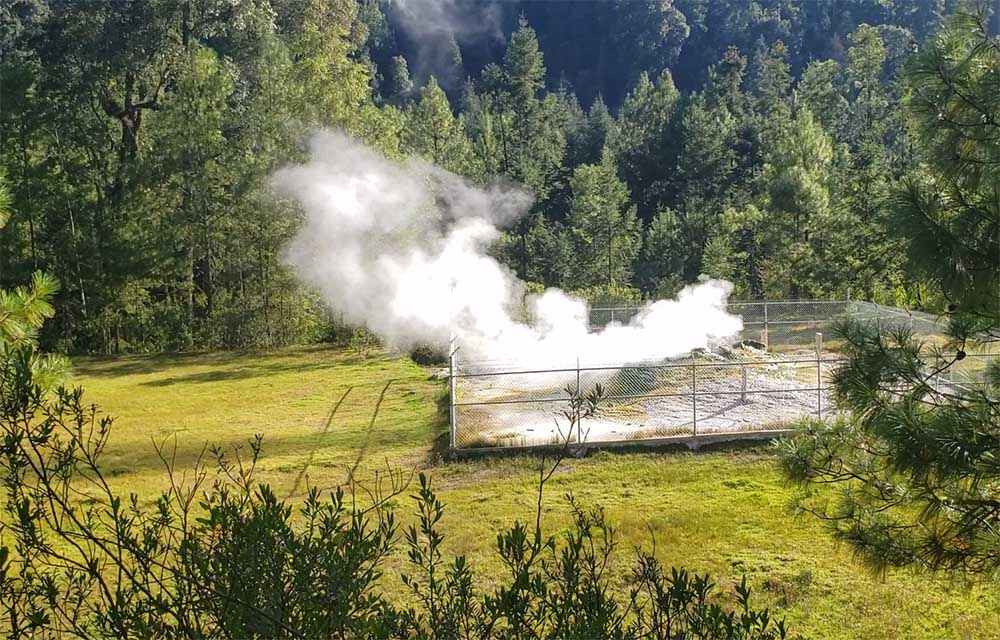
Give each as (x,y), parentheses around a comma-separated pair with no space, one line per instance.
(164,224)
(660,141)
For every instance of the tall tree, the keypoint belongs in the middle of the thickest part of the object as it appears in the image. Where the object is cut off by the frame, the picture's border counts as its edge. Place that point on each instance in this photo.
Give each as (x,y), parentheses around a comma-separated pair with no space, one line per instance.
(587,140)
(665,252)
(866,58)
(530,130)
(399,84)
(645,147)
(916,458)
(434,133)
(771,79)
(793,224)
(820,90)
(605,232)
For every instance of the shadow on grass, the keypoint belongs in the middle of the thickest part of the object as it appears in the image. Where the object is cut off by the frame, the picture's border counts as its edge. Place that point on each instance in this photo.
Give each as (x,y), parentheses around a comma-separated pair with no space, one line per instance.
(143,363)
(312,452)
(589,450)
(441,443)
(279,361)
(242,373)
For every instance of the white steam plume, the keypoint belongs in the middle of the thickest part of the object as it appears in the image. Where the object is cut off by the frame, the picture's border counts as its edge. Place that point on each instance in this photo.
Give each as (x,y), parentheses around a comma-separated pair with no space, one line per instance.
(401,248)
(433,25)
(440,19)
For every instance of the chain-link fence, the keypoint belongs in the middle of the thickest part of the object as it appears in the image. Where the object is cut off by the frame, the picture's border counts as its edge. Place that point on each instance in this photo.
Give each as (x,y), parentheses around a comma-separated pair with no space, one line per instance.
(776,371)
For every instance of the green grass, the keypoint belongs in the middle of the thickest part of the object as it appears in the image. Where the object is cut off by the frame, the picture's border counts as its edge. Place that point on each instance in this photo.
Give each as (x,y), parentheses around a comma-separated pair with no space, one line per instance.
(723,512)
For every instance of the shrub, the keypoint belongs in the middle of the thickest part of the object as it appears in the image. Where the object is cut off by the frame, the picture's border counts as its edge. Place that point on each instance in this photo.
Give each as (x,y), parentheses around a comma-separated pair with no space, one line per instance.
(363,341)
(219,556)
(429,356)
(631,381)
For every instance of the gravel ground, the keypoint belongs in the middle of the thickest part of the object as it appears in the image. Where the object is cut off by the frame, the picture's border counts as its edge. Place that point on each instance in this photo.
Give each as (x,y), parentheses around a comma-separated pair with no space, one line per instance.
(776,393)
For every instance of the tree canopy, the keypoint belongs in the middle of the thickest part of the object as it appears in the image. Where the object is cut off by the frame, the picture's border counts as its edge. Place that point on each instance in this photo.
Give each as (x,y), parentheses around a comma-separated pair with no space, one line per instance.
(915,457)
(670,138)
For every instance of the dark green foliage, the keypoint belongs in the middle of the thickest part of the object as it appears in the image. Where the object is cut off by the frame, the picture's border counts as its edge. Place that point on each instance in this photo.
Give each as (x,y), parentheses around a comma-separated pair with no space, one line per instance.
(634,381)
(137,138)
(428,355)
(219,555)
(602,226)
(915,456)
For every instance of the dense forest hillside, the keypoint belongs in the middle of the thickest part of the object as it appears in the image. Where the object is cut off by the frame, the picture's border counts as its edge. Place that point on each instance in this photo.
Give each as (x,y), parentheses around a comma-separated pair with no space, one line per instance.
(601,48)
(661,140)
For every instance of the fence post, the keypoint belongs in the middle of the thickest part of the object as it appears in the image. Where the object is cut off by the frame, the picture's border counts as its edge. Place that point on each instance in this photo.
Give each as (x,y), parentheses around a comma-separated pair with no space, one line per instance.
(765,323)
(694,394)
(579,419)
(451,394)
(612,314)
(819,374)
(743,383)
(763,338)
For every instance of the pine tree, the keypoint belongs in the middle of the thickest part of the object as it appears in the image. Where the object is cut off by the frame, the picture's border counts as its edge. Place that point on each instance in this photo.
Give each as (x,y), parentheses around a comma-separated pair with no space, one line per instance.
(916,458)
(524,67)
(664,251)
(603,227)
(866,58)
(400,84)
(434,133)
(870,161)
(645,147)
(820,90)
(791,226)
(455,66)
(593,132)
(22,313)
(772,79)
(528,132)
(720,260)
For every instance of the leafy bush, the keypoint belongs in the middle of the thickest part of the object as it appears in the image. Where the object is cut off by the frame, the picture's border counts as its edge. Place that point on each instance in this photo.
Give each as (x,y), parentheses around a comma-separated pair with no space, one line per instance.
(612,295)
(428,356)
(218,554)
(634,381)
(363,341)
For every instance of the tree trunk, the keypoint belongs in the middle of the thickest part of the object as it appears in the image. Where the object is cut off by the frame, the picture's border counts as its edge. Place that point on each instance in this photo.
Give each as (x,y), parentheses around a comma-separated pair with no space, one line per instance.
(267,301)
(209,284)
(26,180)
(190,287)
(610,278)
(76,262)
(503,141)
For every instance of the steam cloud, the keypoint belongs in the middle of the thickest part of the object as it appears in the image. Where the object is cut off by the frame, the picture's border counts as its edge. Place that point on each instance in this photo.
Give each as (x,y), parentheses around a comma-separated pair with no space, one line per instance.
(433,25)
(402,249)
(438,19)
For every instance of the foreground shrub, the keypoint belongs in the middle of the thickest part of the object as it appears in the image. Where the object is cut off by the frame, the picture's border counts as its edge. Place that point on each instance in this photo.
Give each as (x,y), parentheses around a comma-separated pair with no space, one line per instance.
(218,555)
(429,356)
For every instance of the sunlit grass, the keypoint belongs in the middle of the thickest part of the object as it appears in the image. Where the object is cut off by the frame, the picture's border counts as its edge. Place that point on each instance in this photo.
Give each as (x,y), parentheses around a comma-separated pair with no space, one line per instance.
(725,512)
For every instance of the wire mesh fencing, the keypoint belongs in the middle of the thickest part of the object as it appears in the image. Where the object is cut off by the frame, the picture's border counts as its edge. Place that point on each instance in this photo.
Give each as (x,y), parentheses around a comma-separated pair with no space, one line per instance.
(776,324)
(650,400)
(776,371)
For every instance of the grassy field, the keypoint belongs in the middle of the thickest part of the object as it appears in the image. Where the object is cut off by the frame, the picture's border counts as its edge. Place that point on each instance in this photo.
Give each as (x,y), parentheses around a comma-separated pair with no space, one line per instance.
(723,512)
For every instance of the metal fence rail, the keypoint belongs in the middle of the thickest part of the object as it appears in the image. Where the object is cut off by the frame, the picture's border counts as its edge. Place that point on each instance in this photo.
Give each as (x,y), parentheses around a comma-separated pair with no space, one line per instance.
(744,391)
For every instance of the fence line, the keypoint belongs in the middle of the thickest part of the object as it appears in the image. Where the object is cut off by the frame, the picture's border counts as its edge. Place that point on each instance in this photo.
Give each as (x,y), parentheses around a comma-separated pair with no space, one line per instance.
(493,405)
(642,365)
